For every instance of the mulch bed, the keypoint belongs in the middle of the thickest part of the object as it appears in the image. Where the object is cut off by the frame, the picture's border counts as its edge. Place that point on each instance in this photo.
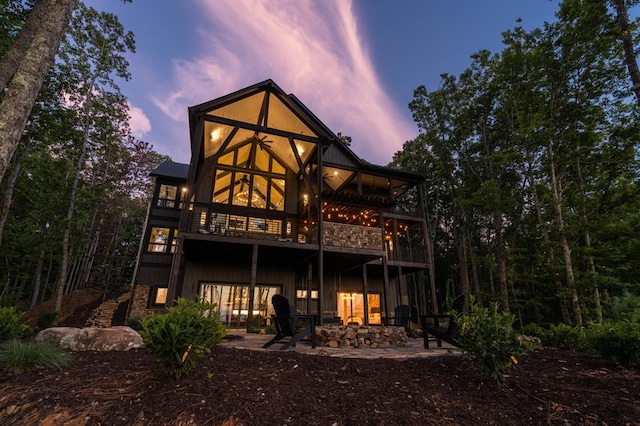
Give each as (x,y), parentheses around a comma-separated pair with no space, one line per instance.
(245,387)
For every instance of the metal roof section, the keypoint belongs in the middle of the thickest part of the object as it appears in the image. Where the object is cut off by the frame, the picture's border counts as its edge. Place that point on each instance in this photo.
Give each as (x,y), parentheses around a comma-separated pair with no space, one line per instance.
(170,169)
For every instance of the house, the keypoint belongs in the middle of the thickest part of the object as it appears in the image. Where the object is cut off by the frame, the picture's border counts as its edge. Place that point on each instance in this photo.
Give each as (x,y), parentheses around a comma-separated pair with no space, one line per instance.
(275,202)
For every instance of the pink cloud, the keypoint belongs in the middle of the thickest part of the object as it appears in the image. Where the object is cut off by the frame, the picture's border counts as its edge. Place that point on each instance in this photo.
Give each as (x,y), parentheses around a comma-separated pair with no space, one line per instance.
(310,48)
(139,122)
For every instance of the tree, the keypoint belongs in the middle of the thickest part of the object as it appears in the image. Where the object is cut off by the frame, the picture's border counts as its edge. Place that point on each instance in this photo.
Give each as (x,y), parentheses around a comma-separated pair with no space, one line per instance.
(90,56)
(533,155)
(36,45)
(622,18)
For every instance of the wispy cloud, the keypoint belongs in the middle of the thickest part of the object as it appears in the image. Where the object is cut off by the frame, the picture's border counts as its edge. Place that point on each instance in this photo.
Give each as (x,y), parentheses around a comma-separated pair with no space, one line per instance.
(310,48)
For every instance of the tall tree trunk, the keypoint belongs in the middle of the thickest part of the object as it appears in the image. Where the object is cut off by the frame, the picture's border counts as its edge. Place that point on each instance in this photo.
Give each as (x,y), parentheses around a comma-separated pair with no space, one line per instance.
(564,243)
(38,279)
(7,197)
(461,245)
(497,221)
(551,257)
(587,241)
(627,45)
(500,261)
(428,235)
(64,261)
(477,291)
(25,83)
(11,59)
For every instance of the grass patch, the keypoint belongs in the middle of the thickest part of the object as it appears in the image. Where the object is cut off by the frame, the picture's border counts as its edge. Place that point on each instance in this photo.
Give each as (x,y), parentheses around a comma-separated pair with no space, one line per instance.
(20,356)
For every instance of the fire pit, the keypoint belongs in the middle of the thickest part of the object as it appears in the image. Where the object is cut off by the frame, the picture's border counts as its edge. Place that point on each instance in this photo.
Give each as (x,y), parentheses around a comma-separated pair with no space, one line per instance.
(360,336)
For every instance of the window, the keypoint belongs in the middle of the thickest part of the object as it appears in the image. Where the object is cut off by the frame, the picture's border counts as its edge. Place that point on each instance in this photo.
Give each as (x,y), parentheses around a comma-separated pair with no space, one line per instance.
(250,176)
(158,296)
(161,240)
(351,308)
(167,196)
(232,302)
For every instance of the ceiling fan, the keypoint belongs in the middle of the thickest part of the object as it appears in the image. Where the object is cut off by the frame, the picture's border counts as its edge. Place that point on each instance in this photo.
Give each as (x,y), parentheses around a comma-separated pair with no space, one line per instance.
(329,176)
(262,143)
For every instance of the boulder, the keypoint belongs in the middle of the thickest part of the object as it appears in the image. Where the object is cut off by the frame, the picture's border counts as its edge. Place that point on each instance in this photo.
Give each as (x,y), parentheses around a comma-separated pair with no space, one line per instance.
(93,339)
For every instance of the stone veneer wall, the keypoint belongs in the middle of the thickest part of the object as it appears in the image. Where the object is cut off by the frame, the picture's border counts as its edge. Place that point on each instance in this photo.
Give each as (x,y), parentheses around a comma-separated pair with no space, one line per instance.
(139,302)
(343,235)
(363,337)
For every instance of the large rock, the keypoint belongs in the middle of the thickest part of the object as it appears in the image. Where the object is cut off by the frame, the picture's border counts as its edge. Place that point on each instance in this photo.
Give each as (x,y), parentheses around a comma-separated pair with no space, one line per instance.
(93,338)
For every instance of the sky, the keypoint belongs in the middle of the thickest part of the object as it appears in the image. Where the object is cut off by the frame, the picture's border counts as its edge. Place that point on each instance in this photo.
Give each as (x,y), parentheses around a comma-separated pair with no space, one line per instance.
(354,63)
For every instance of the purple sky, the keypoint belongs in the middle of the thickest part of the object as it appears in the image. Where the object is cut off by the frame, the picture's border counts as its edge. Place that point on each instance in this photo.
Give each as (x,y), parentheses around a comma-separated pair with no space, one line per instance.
(354,63)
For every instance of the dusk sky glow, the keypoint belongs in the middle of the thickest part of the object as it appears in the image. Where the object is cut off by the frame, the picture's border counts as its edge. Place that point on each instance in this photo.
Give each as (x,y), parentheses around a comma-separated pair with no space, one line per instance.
(353,63)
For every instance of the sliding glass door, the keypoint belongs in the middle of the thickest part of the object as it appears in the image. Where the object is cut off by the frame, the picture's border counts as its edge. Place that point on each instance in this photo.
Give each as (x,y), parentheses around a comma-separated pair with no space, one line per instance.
(232,302)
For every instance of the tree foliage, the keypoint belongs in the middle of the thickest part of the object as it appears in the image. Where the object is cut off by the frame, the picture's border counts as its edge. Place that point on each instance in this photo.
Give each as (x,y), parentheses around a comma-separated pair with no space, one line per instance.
(82,180)
(531,164)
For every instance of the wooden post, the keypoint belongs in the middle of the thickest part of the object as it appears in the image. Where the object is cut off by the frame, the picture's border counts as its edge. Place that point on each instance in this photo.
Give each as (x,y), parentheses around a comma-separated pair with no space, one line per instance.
(252,285)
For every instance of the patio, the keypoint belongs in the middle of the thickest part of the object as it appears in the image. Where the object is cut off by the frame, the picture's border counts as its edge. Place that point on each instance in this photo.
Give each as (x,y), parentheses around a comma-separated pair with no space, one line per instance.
(413,349)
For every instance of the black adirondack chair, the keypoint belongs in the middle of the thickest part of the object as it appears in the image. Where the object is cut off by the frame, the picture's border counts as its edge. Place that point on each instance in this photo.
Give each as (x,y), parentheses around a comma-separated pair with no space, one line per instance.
(448,331)
(291,327)
(401,316)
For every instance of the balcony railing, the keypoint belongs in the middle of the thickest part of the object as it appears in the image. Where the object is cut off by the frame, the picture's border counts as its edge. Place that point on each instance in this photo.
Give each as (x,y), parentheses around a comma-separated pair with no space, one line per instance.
(204,220)
(408,254)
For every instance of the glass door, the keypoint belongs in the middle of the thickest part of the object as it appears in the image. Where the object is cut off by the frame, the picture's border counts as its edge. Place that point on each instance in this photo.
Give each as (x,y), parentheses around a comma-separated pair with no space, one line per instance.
(351,308)
(232,302)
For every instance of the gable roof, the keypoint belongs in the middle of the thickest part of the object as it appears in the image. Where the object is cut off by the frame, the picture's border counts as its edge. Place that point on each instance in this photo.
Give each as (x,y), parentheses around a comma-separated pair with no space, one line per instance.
(265,112)
(170,169)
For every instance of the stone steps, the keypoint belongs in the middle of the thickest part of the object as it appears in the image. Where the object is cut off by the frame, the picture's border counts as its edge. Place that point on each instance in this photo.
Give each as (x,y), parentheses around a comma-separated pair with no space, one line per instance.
(103,314)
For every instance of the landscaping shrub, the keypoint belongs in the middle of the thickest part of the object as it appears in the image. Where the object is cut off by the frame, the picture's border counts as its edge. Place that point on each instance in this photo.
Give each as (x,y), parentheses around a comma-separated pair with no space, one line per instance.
(271,329)
(487,334)
(181,337)
(20,356)
(46,319)
(563,336)
(135,323)
(619,341)
(10,325)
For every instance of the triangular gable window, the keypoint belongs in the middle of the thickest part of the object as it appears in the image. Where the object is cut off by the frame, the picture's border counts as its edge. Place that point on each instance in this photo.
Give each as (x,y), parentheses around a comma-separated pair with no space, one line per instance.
(246,176)
(260,109)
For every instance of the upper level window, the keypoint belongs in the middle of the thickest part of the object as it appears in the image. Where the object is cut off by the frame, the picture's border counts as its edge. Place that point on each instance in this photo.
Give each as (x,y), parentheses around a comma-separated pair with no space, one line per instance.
(162,240)
(167,196)
(250,175)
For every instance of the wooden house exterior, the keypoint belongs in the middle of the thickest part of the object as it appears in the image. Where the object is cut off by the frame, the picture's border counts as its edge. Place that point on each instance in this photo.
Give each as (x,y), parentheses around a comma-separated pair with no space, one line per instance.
(274,202)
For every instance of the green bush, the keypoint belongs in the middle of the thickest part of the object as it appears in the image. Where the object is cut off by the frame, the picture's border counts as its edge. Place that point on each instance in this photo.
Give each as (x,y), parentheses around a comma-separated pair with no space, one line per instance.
(619,341)
(270,329)
(20,356)
(626,307)
(563,336)
(533,329)
(181,337)
(10,325)
(46,319)
(135,323)
(487,334)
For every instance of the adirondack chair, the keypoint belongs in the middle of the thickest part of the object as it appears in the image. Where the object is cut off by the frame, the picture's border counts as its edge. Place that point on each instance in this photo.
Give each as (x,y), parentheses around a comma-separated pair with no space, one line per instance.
(448,331)
(291,327)
(401,316)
